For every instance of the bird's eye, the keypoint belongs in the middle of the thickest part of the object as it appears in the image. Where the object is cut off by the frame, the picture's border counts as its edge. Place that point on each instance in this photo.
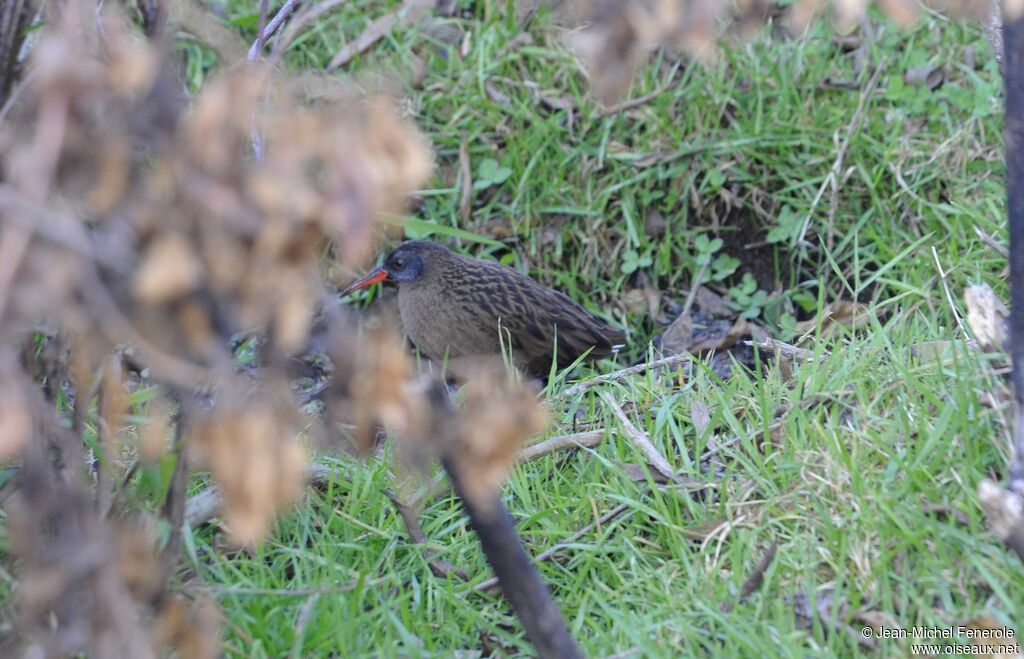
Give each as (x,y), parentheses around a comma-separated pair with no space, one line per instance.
(398,263)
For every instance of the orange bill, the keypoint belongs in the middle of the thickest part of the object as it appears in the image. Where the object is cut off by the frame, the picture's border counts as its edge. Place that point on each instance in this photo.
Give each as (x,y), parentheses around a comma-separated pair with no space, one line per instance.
(378,274)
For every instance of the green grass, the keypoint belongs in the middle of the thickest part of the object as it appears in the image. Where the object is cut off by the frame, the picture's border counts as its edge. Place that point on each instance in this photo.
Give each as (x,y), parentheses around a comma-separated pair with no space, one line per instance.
(873,435)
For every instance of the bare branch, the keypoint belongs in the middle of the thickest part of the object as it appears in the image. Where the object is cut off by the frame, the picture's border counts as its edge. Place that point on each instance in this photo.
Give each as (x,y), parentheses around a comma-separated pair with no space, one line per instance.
(271,28)
(555,549)
(587,439)
(639,438)
(440,567)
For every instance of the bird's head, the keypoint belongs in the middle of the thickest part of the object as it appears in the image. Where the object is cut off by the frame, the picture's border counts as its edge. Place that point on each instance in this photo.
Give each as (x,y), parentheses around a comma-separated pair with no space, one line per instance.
(407,264)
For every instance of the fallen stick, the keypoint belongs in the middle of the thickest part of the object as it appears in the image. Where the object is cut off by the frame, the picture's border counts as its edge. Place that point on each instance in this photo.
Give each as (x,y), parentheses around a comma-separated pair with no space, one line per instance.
(407,13)
(753,582)
(640,438)
(270,28)
(620,374)
(588,439)
(204,506)
(439,566)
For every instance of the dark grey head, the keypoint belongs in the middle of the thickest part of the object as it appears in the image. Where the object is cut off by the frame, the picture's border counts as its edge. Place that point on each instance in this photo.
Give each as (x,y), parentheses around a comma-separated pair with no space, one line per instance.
(408,263)
(411,260)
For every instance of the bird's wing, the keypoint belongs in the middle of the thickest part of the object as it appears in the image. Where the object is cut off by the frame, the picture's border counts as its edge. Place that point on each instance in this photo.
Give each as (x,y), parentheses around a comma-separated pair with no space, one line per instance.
(535,318)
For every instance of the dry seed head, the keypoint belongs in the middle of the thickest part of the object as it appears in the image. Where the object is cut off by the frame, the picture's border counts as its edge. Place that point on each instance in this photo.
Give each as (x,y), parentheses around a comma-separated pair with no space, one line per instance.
(191,628)
(155,434)
(113,398)
(15,419)
(381,391)
(252,450)
(138,560)
(169,270)
(987,317)
(496,417)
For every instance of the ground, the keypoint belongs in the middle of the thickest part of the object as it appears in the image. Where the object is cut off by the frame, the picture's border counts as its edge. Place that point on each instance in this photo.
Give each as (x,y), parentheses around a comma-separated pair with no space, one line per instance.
(828,177)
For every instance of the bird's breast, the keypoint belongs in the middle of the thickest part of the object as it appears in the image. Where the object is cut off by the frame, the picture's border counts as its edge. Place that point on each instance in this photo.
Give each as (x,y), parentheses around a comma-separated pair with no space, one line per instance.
(440,324)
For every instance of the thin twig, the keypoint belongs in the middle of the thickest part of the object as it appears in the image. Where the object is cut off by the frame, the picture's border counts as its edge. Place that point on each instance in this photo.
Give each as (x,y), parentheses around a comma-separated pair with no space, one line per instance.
(174,502)
(35,182)
(588,439)
(61,230)
(282,592)
(257,47)
(304,18)
(692,295)
(273,26)
(619,375)
(832,178)
(639,438)
(993,243)
(630,103)
(171,368)
(781,348)
(554,549)
(301,620)
(756,578)
(204,506)
(440,567)
(26,81)
(949,296)
(405,14)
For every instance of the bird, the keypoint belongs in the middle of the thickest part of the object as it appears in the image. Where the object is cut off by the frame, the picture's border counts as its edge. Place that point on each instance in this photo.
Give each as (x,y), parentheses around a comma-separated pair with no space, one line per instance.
(455,307)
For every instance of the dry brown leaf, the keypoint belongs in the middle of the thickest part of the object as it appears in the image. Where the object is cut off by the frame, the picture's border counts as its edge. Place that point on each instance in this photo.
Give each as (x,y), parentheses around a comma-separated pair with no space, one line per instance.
(641,472)
(942,510)
(929,77)
(940,351)
(987,634)
(802,13)
(710,340)
(678,336)
(848,14)
(1004,509)
(700,415)
(15,419)
(987,317)
(132,64)
(853,315)
(410,12)
(168,271)
(252,449)
(634,302)
(496,418)
(154,438)
(190,628)
(195,328)
(618,35)
(113,398)
(902,12)
(111,179)
(496,95)
(138,559)
(381,389)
